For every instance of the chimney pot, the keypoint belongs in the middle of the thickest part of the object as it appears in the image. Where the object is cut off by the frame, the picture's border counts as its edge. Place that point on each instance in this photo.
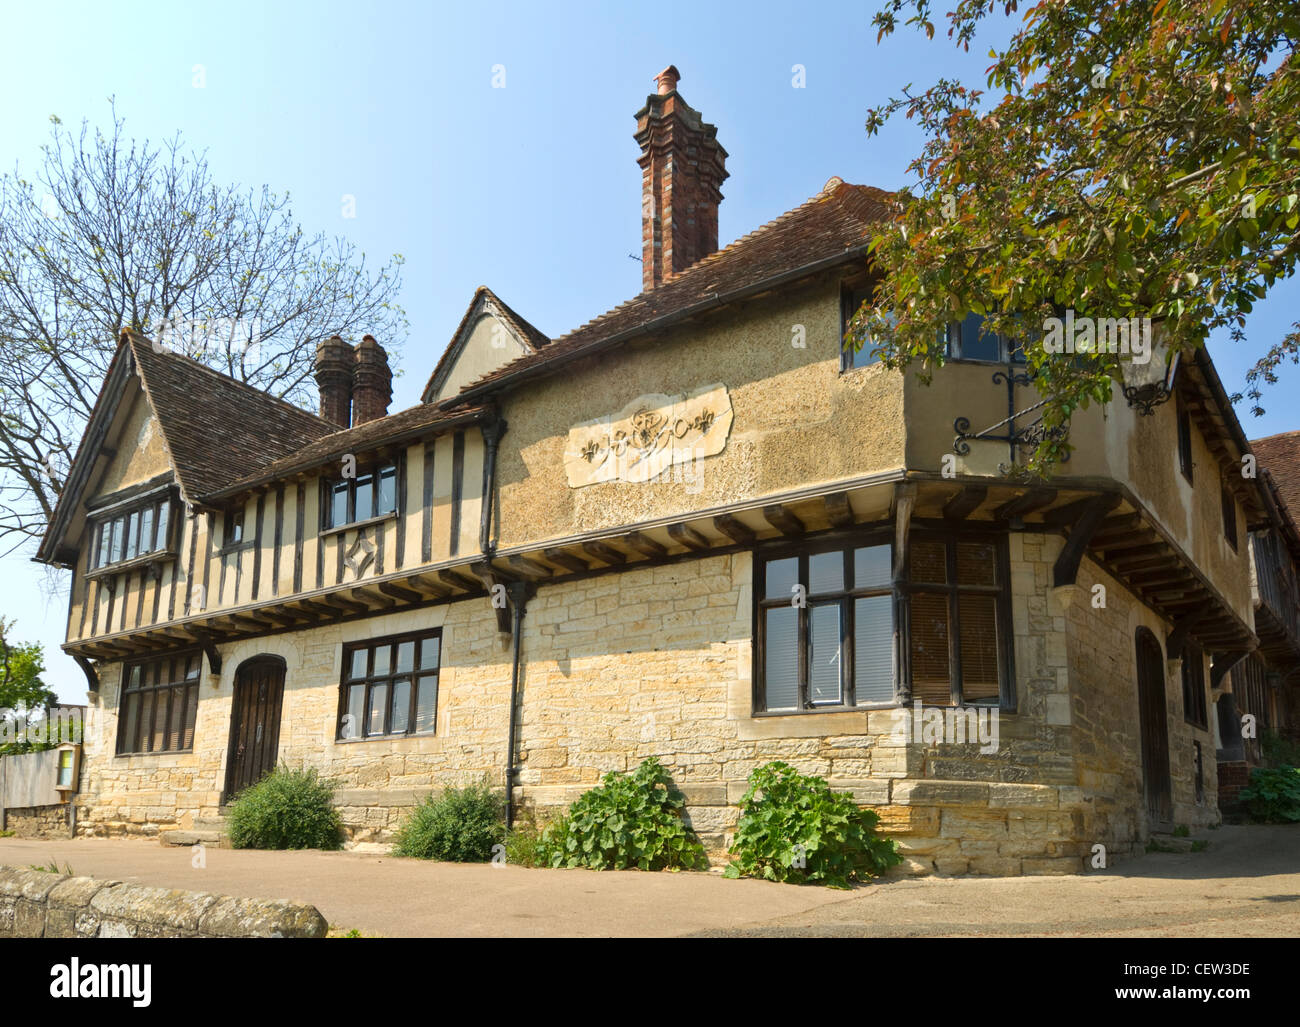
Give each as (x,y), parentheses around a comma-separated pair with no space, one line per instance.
(334,363)
(372,382)
(668,79)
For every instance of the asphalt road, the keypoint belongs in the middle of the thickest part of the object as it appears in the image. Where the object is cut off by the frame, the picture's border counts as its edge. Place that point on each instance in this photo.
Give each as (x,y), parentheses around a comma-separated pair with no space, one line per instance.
(1246,884)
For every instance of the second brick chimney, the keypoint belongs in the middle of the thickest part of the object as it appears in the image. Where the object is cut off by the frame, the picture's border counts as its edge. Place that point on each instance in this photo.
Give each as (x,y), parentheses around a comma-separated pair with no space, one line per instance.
(372,382)
(682,170)
(334,363)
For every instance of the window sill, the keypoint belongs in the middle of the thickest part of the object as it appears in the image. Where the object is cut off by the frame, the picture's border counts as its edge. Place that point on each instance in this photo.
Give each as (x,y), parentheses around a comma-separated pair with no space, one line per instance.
(369,521)
(877,707)
(237,547)
(136,562)
(386,738)
(161,752)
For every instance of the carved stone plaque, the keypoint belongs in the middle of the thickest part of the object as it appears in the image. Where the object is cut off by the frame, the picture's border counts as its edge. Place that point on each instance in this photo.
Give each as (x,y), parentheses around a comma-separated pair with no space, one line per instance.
(648,436)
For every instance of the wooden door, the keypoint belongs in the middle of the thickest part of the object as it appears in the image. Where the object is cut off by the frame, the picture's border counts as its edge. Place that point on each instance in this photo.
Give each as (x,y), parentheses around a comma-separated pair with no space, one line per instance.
(254,723)
(1153,722)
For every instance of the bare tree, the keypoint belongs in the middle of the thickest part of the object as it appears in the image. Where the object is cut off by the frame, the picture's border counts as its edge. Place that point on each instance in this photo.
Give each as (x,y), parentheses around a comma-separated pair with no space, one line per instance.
(112,233)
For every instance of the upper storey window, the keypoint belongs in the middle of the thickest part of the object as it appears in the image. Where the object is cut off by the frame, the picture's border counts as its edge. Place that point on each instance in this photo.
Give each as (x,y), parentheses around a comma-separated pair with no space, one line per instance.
(133,532)
(968,340)
(360,498)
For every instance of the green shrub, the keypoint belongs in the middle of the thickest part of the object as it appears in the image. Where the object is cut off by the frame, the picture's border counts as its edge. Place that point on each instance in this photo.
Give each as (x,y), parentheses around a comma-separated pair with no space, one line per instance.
(794,828)
(459,826)
(631,821)
(1273,795)
(287,809)
(526,843)
(1278,750)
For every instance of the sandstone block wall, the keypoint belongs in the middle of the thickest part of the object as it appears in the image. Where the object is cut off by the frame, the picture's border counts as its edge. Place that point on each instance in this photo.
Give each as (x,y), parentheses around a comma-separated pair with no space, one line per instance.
(657,661)
(36,904)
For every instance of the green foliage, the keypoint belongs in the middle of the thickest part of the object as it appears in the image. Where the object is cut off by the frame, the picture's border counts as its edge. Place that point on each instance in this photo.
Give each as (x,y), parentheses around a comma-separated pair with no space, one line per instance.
(631,821)
(1062,185)
(21,689)
(287,809)
(1182,831)
(794,828)
(459,826)
(1273,795)
(1279,750)
(52,867)
(526,844)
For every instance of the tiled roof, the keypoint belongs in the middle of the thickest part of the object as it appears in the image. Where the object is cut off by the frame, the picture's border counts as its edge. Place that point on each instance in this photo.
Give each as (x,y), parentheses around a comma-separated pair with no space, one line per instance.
(836,221)
(533,337)
(217,429)
(357,439)
(1280,456)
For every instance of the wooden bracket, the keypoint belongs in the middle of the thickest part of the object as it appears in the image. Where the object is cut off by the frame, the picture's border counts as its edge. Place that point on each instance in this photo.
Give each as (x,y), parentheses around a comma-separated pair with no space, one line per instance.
(210,650)
(1224,662)
(1182,632)
(88,668)
(904,503)
(1066,570)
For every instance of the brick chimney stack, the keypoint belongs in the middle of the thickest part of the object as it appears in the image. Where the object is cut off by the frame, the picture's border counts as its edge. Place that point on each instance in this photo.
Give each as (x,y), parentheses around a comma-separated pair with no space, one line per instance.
(682,170)
(372,382)
(334,363)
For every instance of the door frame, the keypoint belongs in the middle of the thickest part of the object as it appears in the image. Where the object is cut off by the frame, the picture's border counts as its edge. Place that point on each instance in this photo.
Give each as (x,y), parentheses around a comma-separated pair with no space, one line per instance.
(1153,702)
(252,664)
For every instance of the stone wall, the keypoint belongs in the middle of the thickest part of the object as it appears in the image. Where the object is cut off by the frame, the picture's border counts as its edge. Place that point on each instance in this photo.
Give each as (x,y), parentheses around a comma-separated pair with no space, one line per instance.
(38,821)
(36,904)
(656,661)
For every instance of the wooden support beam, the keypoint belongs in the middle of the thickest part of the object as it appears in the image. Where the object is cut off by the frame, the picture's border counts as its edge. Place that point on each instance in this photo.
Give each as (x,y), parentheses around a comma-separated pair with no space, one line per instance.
(209,650)
(604,552)
(340,603)
(87,668)
(965,502)
(838,511)
(426,585)
(1138,548)
(742,534)
(369,594)
(645,545)
(1222,663)
(1117,526)
(529,568)
(1034,499)
(1066,569)
(904,504)
(567,560)
(457,580)
(1182,632)
(397,592)
(1068,513)
(687,536)
(317,608)
(783,520)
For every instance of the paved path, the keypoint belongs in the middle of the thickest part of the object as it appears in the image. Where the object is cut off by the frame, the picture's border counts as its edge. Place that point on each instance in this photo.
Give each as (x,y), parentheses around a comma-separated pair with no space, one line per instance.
(1246,884)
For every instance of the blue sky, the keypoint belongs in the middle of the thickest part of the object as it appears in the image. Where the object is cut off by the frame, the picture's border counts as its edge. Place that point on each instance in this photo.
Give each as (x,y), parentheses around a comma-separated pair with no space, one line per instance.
(532,189)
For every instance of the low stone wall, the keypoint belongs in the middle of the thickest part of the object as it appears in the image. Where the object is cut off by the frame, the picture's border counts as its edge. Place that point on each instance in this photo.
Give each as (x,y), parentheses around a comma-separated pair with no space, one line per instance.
(39,822)
(36,904)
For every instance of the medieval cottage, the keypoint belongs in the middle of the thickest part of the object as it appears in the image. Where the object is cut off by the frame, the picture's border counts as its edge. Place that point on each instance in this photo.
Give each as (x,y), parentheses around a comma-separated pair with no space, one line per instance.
(694,527)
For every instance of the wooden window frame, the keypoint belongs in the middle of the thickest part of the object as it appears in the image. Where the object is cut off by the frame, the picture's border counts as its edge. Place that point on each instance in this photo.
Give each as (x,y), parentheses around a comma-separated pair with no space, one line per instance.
(127,515)
(1195,703)
(954,345)
(1184,432)
(370,679)
(152,669)
(853,294)
(1228,503)
(901,590)
(374,471)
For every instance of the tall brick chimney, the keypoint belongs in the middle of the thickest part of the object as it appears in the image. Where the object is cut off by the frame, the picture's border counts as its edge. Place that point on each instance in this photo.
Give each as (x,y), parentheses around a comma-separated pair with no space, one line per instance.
(682,169)
(372,382)
(334,362)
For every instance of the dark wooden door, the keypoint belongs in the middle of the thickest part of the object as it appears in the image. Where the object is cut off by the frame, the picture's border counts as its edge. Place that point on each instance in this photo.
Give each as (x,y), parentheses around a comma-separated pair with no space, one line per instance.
(1153,722)
(254,723)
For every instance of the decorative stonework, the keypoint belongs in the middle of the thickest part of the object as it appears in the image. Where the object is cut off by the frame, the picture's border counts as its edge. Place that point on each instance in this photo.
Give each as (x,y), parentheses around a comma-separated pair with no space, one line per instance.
(648,436)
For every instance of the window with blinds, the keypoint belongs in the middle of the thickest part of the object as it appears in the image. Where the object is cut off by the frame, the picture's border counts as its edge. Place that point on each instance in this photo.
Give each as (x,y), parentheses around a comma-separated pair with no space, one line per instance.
(828,619)
(159,705)
(826,624)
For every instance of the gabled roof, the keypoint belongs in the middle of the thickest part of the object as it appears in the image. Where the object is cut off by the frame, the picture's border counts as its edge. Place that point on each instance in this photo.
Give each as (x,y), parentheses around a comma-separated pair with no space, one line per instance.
(406,424)
(835,225)
(215,429)
(1280,456)
(530,337)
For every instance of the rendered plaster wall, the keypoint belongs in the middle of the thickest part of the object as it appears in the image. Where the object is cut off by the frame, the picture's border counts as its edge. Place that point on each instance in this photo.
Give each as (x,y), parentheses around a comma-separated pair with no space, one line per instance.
(797,420)
(1113,443)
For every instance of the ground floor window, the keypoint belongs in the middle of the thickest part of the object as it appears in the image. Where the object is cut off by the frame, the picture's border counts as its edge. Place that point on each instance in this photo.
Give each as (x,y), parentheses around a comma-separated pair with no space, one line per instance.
(836,629)
(390,686)
(159,704)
